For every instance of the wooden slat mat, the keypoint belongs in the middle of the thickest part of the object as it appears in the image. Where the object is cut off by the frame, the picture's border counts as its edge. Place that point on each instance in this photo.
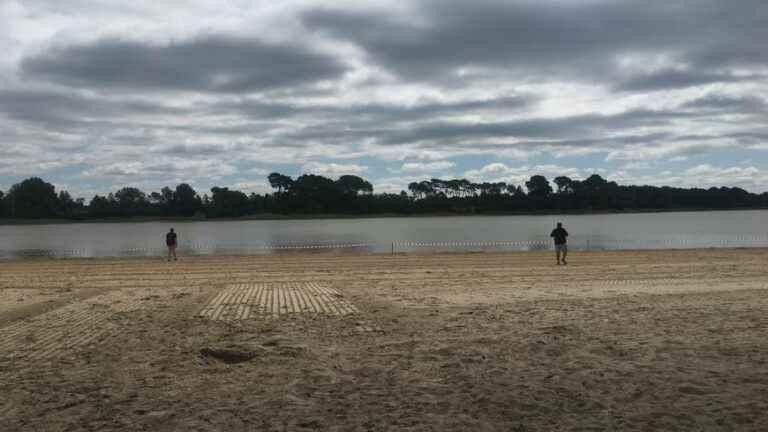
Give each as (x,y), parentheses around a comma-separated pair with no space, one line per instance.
(261,300)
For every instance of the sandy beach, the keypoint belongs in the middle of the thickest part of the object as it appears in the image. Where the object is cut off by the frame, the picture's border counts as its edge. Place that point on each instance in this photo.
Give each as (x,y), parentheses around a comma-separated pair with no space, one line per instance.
(623,340)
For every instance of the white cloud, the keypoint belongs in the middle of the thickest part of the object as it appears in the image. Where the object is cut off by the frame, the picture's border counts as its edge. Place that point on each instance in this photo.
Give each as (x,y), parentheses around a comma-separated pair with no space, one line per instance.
(333,169)
(255,186)
(427,166)
(563,152)
(258,171)
(395,184)
(704,176)
(636,166)
(496,167)
(499,172)
(676,151)
(162,169)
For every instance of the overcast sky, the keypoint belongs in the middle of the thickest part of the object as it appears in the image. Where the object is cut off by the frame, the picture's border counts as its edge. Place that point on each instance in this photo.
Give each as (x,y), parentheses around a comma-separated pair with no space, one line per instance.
(96,95)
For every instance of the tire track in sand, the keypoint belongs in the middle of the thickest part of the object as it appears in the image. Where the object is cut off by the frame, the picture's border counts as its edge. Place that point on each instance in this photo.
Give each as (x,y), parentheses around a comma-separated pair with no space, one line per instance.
(72,326)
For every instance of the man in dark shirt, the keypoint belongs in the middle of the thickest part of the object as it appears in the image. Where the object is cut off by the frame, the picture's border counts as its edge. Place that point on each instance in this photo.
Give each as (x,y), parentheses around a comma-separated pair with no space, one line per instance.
(170,241)
(560,234)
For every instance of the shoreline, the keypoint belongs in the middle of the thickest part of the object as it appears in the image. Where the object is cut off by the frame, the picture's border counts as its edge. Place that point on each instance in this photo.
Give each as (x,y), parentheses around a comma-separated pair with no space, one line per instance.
(300,255)
(302,217)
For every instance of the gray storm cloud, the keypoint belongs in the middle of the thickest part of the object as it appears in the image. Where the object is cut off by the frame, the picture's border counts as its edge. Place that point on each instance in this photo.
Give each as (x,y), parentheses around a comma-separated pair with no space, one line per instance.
(546,39)
(206,64)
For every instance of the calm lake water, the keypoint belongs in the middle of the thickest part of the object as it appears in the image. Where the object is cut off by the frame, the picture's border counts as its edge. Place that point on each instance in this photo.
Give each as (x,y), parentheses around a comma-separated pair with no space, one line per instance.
(409,234)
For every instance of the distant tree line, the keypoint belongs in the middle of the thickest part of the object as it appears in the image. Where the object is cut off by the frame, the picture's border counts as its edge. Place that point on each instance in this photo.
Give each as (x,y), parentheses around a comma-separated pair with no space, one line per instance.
(34,198)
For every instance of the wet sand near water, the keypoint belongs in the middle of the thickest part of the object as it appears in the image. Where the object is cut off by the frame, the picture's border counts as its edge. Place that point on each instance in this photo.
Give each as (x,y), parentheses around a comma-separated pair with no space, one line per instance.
(624,340)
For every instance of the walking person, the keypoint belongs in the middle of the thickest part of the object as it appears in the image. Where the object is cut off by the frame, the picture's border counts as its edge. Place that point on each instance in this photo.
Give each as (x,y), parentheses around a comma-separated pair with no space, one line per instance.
(171,241)
(561,247)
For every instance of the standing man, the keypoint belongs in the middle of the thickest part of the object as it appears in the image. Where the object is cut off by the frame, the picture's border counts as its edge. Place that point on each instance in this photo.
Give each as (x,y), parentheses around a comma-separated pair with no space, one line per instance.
(560,234)
(171,242)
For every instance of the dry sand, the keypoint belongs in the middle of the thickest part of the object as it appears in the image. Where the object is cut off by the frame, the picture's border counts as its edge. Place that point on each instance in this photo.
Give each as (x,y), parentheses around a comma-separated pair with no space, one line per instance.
(654,340)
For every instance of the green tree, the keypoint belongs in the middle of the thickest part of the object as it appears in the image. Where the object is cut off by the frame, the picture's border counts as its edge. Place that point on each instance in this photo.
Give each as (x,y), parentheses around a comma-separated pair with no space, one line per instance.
(100,207)
(227,203)
(185,200)
(595,183)
(66,205)
(600,193)
(539,188)
(131,202)
(564,185)
(353,185)
(316,193)
(280,182)
(32,198)
(413,187)
(515,191)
